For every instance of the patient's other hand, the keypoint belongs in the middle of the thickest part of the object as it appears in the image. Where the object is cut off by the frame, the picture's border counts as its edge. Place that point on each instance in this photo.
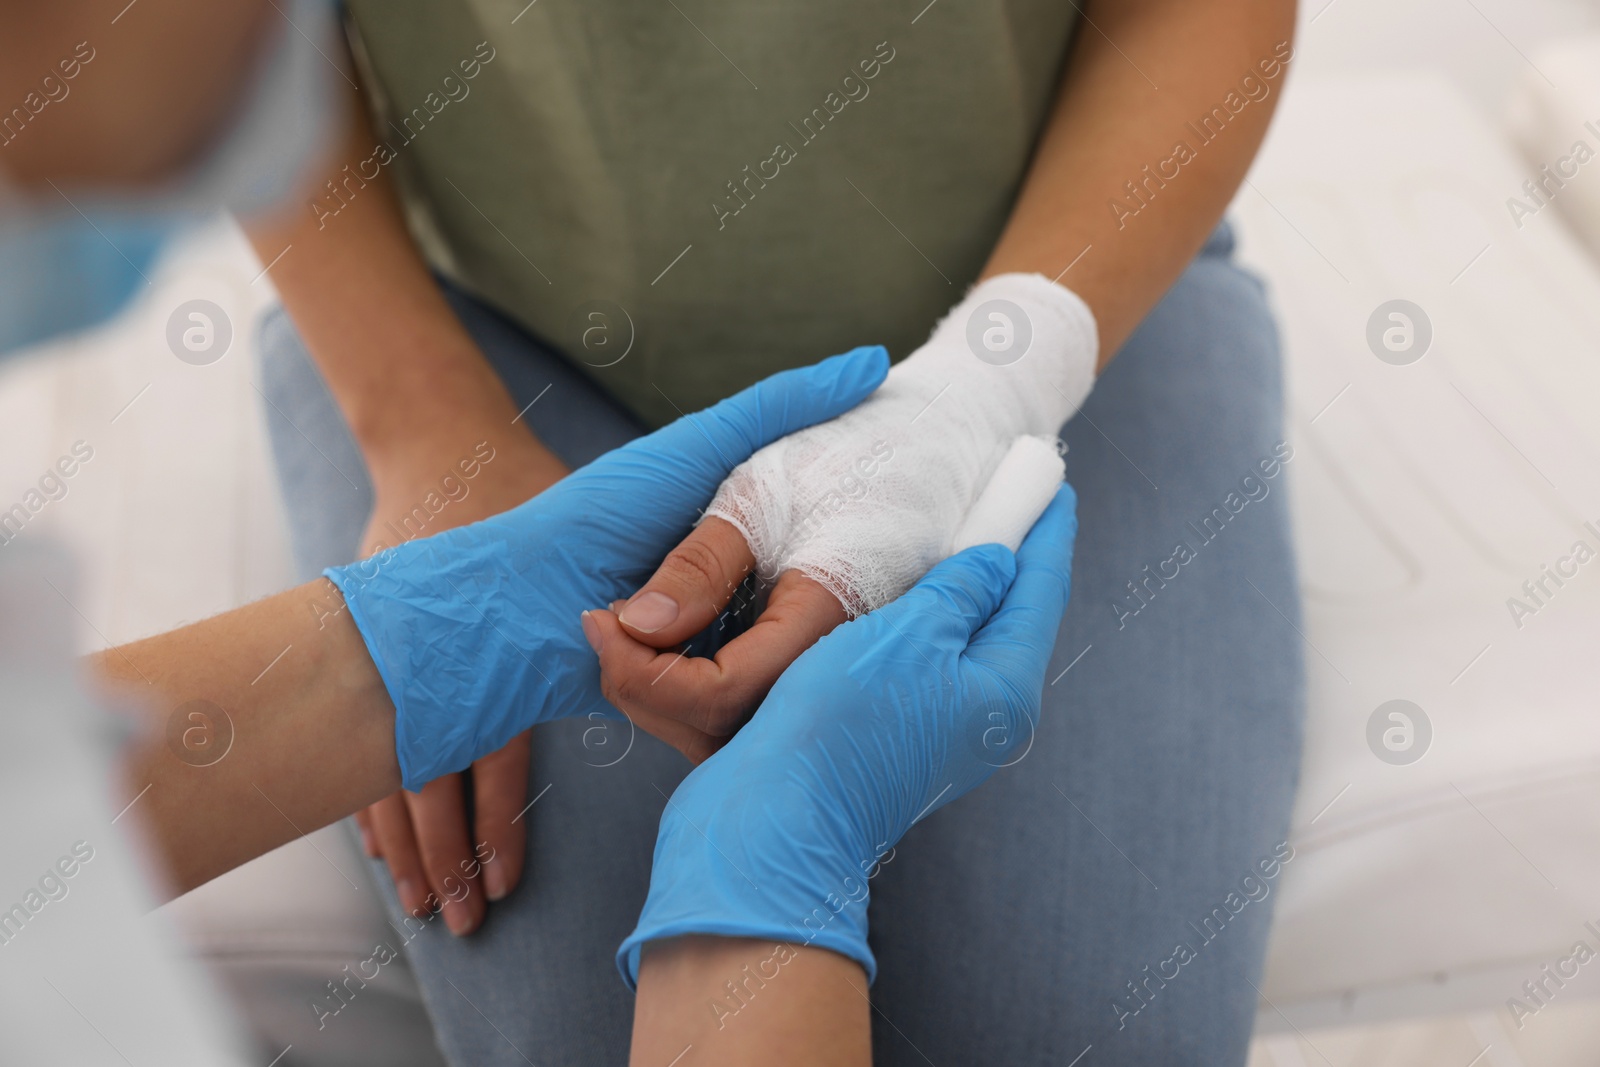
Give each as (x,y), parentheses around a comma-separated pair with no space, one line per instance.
(440,857)
(695,703)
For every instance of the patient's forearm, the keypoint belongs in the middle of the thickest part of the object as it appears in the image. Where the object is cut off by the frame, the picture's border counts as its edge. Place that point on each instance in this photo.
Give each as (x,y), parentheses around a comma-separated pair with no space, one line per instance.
(729,1001)
(1141,72)
(409,379)
(264,723)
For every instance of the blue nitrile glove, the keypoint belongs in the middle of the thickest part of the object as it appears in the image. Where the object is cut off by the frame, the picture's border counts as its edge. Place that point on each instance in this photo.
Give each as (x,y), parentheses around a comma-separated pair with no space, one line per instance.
(476,630)
(881,722)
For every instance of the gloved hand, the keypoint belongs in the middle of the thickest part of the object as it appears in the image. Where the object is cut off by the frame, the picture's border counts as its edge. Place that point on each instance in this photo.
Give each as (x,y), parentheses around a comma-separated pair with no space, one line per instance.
(885,720)
(476,631)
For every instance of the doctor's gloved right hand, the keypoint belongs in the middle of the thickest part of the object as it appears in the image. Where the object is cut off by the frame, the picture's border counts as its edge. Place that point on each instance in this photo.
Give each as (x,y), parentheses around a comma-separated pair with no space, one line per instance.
(476,631)
(883,721)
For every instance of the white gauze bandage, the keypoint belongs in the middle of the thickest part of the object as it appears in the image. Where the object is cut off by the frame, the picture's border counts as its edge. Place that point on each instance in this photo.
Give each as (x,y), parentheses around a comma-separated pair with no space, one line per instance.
(867,502)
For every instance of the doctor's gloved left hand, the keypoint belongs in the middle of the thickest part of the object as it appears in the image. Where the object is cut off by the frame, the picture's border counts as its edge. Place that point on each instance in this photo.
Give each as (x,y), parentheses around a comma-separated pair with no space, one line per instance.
(476,631)
(888,718)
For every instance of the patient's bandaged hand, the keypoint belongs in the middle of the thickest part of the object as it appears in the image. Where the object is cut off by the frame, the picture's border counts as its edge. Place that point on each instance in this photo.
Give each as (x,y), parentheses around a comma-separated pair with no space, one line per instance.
(866,503)
(956,448)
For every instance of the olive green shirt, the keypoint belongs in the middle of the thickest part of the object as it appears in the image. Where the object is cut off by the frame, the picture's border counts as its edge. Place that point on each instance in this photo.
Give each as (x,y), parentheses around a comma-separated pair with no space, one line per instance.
(684,196)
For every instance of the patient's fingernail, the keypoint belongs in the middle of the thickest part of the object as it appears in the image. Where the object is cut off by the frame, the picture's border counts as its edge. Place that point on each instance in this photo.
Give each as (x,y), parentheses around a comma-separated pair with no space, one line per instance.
(494,880)
(410,897)
(591,632)
(649,612)
(458,918)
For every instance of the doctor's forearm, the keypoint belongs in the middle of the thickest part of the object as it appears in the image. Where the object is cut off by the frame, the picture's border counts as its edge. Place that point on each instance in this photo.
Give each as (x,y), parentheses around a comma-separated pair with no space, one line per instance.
(1110,193)
(262,724)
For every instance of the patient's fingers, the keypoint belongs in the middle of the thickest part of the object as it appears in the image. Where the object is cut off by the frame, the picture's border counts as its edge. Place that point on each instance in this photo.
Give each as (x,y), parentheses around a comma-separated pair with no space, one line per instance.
(369,841)
(499,799)
(697,745)
(439,818)
(691,587)
(391,826)
(713,697)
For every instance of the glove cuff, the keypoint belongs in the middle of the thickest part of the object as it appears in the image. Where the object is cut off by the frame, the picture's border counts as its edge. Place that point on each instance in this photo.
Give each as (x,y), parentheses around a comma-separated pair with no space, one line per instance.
(721,871)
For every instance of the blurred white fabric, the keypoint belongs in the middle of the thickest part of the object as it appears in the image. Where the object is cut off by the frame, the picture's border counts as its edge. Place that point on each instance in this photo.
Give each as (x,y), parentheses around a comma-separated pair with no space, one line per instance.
(1428,494)
(175,518)
(88,974)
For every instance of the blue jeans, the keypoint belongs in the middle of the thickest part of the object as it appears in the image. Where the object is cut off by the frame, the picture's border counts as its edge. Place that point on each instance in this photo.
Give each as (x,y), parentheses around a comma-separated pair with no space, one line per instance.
(1041,913)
